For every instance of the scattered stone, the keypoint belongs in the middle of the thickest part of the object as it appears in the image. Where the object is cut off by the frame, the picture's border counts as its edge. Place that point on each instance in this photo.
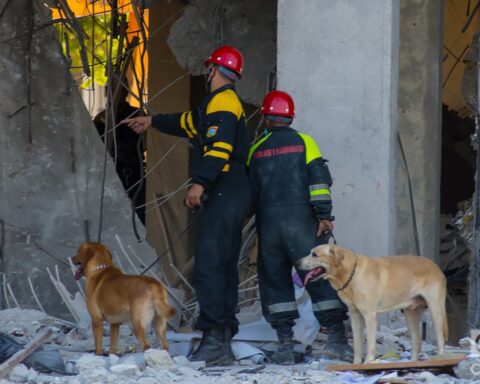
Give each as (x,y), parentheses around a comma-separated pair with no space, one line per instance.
(89,361)
(19,374)
(129,370)
(198,364)
(189,372)
(468,369)
(181,361)
(137,359)
(158,359)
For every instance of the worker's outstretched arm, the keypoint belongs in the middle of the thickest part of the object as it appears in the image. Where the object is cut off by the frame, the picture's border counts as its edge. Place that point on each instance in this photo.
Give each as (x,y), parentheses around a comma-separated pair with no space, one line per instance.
(175,124)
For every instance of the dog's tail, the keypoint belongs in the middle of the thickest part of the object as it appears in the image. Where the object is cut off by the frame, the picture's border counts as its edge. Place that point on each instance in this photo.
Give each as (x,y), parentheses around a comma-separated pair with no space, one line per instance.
(162,308)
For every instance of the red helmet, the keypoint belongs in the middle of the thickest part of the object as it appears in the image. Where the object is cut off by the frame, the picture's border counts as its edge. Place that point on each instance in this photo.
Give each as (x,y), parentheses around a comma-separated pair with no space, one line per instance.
(278,103)
(228,57)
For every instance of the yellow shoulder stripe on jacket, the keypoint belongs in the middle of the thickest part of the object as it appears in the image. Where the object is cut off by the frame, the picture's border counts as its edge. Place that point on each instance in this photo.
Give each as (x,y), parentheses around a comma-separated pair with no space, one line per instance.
(312,151)
(226,101)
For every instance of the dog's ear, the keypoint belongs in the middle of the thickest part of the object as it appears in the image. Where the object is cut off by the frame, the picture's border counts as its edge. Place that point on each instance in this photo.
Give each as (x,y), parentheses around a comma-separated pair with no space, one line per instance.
(87,252)
(338,255)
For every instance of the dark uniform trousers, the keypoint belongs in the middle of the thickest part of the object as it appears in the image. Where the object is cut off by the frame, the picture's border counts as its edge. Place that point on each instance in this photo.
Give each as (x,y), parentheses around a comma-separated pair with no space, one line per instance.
(218,243)
(287,233)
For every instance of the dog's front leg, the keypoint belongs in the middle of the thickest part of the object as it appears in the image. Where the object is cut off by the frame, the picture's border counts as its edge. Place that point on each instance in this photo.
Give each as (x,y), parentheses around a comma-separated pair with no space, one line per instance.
(371,325)
(358,326)
(114,331)
(97,327)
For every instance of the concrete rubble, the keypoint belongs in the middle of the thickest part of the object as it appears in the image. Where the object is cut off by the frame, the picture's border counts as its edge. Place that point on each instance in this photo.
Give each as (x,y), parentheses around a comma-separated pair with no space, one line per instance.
(158,366)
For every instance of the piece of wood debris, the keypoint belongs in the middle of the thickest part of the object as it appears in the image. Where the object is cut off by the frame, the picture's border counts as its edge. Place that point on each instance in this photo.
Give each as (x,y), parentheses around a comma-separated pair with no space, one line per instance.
(398,365)
(21,355)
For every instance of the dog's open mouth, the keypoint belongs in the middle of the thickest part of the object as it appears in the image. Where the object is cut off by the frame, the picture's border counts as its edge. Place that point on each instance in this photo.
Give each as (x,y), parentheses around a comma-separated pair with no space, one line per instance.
(79,272)
(314,274)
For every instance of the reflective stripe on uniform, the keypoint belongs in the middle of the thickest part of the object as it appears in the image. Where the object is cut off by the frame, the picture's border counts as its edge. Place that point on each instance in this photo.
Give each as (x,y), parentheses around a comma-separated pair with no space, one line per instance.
(190,125)
(320,197)
(326,305)
(219,154)
(317,187)
(254,147)
(312,151)
(283,307)
(223,145)
(226,168)
(226,101)
(183,124)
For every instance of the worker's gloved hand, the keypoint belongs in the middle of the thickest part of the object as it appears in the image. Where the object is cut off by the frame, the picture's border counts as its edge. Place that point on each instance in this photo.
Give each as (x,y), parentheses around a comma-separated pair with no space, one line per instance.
(194,195)
(138,124)
(324,226)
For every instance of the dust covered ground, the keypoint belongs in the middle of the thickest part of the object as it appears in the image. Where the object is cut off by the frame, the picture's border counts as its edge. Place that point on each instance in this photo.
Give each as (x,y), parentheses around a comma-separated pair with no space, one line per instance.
(156,366)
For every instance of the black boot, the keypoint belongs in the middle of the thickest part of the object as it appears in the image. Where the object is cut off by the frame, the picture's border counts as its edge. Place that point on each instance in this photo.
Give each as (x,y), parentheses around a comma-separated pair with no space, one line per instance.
(228,334)
(212,348)
(284,355)
(337,346)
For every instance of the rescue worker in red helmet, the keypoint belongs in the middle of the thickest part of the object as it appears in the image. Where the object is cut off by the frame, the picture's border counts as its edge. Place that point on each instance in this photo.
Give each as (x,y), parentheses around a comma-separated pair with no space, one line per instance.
(218,132)
(291,190)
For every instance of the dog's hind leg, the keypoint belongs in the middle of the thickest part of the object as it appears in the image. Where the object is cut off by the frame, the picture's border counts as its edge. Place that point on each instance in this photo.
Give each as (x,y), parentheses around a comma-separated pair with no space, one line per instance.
(160,328)
(97,327)
(436,304)
(413,316)
(114,331)
(142,316)
(358,327)
(371,325)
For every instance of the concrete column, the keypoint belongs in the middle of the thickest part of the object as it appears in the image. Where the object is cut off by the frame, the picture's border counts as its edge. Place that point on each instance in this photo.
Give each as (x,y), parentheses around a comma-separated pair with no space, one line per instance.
(419,125)
(339,61)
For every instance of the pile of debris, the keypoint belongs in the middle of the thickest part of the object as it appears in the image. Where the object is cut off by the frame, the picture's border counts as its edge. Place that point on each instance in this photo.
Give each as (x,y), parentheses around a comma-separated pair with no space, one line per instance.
(251,346)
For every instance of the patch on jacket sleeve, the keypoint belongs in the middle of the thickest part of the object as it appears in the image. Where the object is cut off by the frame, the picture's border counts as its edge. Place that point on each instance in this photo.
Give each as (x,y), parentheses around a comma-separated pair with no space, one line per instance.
(212,131)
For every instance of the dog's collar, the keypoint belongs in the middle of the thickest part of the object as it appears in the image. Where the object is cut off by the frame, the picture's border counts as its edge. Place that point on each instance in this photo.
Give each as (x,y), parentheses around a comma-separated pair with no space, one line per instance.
(101,266)
(350,278)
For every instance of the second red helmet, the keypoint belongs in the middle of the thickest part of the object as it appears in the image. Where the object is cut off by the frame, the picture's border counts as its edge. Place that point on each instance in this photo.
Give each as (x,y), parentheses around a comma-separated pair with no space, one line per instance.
(228,57)
(278,103)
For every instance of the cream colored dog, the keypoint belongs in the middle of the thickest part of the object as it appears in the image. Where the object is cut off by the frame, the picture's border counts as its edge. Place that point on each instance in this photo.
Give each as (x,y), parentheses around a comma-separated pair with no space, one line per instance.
(370,285)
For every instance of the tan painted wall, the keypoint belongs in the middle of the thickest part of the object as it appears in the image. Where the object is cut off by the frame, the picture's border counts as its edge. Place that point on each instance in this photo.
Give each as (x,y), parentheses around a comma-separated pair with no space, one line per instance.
(455,42)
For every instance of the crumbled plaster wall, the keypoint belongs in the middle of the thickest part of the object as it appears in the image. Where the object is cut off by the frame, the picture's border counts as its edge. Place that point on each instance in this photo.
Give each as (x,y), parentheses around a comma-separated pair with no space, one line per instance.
(249,25)
(419,126)
(50,186)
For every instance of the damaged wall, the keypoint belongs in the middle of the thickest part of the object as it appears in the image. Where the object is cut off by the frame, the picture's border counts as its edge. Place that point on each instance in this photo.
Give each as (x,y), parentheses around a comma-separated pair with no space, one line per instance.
(342,71)
(50,185)
(419,126)
(249,25)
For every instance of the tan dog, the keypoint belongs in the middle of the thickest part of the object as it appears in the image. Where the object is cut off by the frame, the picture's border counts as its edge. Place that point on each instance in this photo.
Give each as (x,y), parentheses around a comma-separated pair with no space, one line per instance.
(370,285)
(118,298)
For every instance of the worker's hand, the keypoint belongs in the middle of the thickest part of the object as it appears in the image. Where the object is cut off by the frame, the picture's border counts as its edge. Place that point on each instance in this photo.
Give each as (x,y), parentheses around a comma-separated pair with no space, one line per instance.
(324,226)
(194,195)
(138,124)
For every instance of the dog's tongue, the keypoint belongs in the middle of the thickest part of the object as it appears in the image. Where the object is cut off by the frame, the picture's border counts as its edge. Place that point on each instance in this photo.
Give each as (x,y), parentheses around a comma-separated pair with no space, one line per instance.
(79,273)
(313,272)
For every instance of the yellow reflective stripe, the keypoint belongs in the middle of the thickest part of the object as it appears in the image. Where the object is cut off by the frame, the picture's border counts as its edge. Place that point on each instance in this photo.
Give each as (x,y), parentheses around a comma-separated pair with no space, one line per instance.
(254,147)
(219,154)
(190,123)
(226,101)
(226,168)
(311,149)
(221,144)
(320,192)
(183,124)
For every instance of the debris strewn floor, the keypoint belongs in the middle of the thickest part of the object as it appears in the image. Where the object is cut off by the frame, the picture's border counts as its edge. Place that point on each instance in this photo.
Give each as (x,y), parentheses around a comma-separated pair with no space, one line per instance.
(156,366)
